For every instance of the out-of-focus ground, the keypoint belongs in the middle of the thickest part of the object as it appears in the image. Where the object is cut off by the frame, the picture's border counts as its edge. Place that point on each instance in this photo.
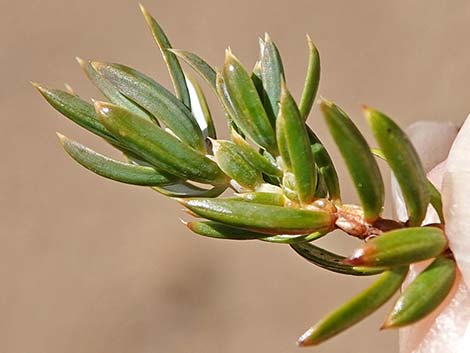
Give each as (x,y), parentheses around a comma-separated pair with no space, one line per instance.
(91,266)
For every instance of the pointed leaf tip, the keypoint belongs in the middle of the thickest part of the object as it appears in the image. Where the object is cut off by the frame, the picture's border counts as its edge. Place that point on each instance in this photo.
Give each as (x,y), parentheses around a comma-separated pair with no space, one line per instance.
(61,137)
(80,61)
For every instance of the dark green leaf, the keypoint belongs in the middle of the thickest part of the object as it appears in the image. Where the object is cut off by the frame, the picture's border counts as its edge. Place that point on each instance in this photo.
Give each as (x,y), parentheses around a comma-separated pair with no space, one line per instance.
(330,261)
(294,141)
(159,148)
(250,115)
(360,162)
(404,162)
(174,67)
(424,294)
(356,309)
(184,189)
(156,99)
(312,81)
(272,76)
(112,169)
(199,65)
(77,110)
(111,92)
(222,231)
(325,166)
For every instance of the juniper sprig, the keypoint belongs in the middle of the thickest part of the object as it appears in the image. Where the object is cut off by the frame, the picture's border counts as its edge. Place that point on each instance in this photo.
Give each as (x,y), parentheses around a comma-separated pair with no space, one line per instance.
(286,187)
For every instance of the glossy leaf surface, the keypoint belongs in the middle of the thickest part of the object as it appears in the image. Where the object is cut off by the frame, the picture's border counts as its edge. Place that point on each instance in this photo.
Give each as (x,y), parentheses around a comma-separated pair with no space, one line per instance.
(401,247)
(261,218)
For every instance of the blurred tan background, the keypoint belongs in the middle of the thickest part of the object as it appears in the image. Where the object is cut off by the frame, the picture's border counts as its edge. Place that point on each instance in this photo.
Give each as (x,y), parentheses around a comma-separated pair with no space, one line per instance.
(94,266)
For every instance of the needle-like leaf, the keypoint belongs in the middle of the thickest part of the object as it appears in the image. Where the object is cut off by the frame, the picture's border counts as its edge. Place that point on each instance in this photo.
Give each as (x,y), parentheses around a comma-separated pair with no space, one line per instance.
(330,261)
(359,160)
(174,67)
(356,309)
(272,76)
(200,108)
(111,92)
(261,218)
(250,115)
(253,157)
(156,146)
(424,294)
(400,247)
(295,147)
(222,231)
(77,110)
(199,65)
(312,81)
(228,157)
(112,169)
(404,162)
(325,166)
(184,189)
(156,99)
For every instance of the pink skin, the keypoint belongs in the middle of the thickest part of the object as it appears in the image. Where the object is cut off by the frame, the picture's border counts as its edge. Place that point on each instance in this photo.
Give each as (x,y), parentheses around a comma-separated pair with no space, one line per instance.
(447,329)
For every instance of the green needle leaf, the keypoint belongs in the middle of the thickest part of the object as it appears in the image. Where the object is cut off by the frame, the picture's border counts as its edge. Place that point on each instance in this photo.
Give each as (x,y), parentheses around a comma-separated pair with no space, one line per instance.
(156,146)
(222,231)
(250,115)
(356,309)
(360,162)
(294,146)
(200,107)
(434,194)
(424,294)
(199,65)
(400,247)
(404,162)
(111,92)
(112,169)
(174,67)
(77,110)
(156,99)
(272,75)
(330,261)
(184,189)
(436,201)
(261,218)
(253,157)
(312,81)
(325,166)
(228,157)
